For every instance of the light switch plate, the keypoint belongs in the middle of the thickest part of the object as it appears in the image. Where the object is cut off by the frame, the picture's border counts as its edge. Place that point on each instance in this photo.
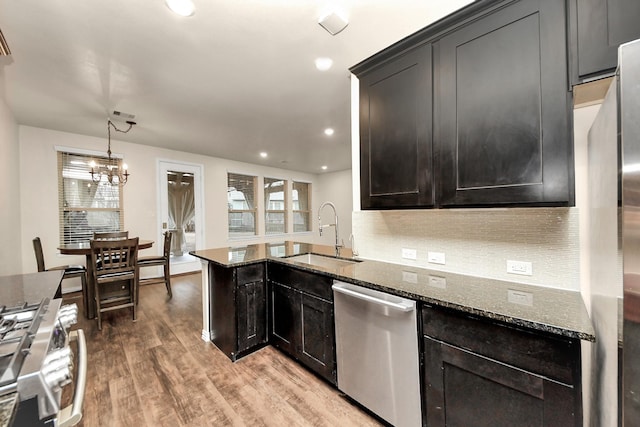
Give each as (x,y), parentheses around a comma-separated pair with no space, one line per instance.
(520,297)
(409,253)
(524,268)
(438,282)
(410,277)
(435,257)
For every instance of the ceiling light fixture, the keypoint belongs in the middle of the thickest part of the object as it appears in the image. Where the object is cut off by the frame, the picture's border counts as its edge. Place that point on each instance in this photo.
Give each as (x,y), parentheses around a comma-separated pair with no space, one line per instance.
(181,7)
(323,64)
(263,155)
(328,131)
(333,23)
(111,172)
(324,168)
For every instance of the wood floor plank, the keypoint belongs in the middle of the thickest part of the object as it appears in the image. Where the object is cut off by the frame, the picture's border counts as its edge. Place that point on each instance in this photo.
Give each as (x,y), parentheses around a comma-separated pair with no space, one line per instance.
(157,371)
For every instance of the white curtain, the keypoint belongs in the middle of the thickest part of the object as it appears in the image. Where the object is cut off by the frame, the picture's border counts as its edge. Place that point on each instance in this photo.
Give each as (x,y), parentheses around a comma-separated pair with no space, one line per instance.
(182,210)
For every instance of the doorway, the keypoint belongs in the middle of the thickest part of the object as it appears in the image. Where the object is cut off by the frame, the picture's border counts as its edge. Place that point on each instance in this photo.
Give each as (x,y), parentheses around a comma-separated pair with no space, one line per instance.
(181,212)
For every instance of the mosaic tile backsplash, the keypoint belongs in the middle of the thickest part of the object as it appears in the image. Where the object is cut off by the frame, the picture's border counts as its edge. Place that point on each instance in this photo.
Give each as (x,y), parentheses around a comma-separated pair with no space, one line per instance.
(478,241)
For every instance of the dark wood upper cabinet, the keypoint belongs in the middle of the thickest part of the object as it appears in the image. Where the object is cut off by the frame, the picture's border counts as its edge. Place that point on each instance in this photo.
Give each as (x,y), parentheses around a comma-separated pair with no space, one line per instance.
(501,109)
(474,110)
(598,28)
(395,127)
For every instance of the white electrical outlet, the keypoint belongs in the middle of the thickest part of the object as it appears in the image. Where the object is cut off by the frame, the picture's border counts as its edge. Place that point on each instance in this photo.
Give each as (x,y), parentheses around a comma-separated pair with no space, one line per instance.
(524,268)
(438,282)
(409,253)
(435,257)
(410,277)
(520,297)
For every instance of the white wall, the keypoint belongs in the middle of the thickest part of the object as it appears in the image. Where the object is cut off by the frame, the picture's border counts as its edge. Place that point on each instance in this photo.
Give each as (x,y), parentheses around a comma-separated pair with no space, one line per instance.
(336,188)
(12,245)
(39,201)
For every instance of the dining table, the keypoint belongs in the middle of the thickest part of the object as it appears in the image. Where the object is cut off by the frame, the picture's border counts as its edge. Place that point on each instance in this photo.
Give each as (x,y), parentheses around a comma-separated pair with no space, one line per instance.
(88,293)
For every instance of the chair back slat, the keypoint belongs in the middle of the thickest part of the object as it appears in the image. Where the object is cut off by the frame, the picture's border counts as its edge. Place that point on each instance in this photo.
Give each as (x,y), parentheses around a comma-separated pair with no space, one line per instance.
(112,235)
(114,256)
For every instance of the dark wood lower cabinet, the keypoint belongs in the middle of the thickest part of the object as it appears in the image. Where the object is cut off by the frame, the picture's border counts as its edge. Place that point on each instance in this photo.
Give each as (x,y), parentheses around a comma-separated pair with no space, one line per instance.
(317,347)
(284,315)
(479,373)
(301,318)
(238,308)
(468,389)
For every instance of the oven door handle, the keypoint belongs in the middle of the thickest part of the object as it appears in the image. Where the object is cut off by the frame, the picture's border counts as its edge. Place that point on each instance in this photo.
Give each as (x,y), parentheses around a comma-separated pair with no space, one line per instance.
(72,414)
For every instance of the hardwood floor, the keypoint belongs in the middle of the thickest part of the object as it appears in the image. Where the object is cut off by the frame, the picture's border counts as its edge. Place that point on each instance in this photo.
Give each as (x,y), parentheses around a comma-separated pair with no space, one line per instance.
(157,371)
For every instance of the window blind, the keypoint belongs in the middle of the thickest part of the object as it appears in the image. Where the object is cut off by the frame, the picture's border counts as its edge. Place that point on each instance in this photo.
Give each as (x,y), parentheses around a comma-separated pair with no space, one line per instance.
(85,207)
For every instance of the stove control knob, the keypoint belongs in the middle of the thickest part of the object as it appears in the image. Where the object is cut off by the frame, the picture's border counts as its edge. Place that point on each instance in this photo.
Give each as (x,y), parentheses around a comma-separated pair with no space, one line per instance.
(58,378)
(56,368)
(68,315)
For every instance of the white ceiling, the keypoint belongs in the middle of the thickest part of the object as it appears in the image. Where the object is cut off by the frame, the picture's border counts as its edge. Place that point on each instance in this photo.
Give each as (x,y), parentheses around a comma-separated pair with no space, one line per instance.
(234,79)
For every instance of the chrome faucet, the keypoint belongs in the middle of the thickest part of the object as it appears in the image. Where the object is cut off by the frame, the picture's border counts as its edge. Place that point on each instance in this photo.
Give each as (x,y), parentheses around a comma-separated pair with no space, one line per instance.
(335,223)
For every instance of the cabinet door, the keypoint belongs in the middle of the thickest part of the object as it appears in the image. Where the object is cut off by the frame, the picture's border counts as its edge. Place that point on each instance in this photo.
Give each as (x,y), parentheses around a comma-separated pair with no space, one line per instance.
(601,26)
(395,133)
(285,314)
(501,109)
(252,321)
(317,346)
(463,389)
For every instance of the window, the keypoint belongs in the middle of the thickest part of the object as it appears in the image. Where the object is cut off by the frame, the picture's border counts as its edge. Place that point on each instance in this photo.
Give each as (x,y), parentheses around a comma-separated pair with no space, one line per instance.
(85,206)
(275,214)
(241,191)
(301,206)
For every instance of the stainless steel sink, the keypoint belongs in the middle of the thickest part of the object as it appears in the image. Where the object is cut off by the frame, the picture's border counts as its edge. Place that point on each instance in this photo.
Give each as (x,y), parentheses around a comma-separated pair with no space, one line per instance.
(322,261)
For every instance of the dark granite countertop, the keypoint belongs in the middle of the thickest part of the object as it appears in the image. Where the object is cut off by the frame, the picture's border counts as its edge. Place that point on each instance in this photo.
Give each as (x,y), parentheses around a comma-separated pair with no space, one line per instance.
(8,406)
(556,311)
(29,288)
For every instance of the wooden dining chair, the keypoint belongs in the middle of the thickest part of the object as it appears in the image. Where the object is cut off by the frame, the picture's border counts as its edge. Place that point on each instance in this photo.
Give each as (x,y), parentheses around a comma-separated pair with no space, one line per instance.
(161,260)
(111,235)
(115,275)
(70,271)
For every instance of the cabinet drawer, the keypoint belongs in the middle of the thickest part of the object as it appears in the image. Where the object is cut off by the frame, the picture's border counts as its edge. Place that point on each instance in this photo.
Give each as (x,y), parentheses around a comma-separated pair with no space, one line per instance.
(310,283)
(552,357)
(250,273)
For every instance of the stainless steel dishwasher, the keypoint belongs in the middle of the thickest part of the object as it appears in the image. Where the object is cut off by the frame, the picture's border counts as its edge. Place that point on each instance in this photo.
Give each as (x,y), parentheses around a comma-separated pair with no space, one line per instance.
(377,352)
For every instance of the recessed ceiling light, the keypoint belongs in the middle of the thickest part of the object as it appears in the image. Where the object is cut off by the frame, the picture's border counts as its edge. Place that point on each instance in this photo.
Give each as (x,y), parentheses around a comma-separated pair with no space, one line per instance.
(323,64)
(324,168)
(328,131)
(181,7)
(263,155)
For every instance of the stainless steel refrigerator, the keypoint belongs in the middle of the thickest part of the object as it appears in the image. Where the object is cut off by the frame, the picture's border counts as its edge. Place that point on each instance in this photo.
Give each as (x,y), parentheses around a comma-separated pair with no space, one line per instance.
(614,217)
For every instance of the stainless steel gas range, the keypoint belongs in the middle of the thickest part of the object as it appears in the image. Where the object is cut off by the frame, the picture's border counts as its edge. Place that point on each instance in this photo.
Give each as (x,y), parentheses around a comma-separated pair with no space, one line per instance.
(39,356)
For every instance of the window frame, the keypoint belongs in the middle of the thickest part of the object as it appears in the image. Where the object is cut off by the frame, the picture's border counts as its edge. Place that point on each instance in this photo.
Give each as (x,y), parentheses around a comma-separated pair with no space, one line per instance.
(305,212)
(284,212)
(254,211)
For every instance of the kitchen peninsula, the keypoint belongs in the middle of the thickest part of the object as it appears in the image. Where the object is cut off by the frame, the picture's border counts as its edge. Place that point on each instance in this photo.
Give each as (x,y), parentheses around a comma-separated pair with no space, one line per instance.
(519,344)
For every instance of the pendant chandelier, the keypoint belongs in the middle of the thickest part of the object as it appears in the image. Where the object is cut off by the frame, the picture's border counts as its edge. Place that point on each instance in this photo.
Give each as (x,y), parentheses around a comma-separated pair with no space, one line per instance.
(111,172)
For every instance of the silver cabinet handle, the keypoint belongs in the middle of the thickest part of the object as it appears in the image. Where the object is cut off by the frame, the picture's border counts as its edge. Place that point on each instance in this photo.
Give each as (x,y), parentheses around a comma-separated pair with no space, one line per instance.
(403,306)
